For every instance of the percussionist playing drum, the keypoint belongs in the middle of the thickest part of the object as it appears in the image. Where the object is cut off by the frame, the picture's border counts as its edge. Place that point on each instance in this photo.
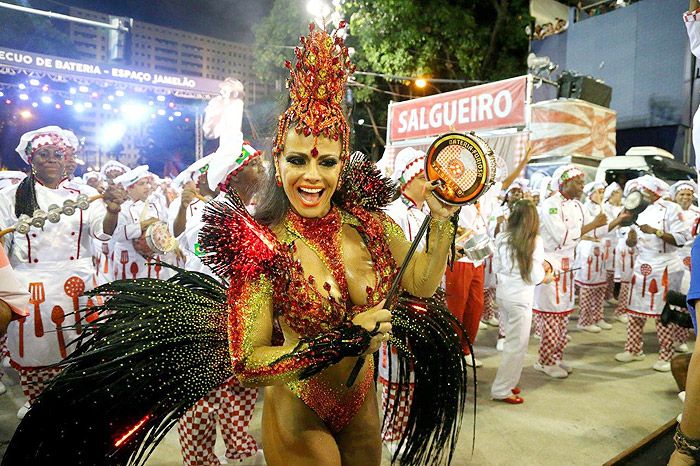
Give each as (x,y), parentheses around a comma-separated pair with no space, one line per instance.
(137,214)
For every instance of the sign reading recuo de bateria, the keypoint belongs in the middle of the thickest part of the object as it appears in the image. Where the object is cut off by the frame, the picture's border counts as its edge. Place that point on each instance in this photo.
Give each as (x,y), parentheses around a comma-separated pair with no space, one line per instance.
(494,105)
(78,68)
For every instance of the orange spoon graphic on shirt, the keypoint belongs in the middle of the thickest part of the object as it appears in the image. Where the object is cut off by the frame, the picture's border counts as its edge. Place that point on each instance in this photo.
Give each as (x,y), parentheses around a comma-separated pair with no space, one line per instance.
(653,289)
(57,317)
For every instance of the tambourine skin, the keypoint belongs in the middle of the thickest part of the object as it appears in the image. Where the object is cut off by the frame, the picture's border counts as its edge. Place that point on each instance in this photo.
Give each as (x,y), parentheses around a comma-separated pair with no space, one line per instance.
(466,165)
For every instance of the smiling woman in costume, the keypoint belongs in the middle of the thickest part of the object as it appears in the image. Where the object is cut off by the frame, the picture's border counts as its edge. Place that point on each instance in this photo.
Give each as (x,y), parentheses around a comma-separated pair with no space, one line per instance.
(304,297)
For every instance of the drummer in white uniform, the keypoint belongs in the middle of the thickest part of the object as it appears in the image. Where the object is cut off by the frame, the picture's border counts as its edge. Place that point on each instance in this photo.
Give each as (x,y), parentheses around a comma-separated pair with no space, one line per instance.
(657,269)
(592,250)
(230,403)
(407,212)
(612,206)
(53,262)
(683,194)
(625,256)
(131,238)
(562,225)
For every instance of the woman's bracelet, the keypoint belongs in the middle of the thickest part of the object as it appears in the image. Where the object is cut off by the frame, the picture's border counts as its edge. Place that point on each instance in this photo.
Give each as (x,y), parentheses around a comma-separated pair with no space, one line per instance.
(686,445)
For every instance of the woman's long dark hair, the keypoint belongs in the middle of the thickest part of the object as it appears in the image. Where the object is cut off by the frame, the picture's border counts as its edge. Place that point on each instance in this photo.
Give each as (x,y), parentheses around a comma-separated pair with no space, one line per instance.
(523,228)
(25,197)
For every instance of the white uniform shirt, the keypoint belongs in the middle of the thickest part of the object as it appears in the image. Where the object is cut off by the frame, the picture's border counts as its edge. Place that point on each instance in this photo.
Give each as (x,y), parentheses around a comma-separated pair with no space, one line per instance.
(55,265)
(693,27)
(128,263)
(657,267)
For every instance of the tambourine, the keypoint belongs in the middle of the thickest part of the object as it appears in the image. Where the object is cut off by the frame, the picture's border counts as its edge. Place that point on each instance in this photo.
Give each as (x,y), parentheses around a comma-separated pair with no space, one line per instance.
(155,240)
(465,163)
(635,202)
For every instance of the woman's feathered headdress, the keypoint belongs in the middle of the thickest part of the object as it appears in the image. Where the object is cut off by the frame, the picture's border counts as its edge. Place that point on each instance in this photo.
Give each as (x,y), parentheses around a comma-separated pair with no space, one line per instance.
(316,90)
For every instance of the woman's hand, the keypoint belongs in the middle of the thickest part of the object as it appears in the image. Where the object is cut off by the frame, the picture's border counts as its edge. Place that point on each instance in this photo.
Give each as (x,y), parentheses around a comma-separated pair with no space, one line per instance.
(438,210)
(377,320)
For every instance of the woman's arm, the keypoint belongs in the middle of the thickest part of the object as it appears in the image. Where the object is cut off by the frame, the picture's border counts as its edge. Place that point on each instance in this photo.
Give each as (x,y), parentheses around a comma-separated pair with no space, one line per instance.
(426,268)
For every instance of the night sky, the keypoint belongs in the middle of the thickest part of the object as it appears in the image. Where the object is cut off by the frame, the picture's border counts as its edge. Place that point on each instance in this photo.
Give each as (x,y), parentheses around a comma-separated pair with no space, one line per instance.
(225,19)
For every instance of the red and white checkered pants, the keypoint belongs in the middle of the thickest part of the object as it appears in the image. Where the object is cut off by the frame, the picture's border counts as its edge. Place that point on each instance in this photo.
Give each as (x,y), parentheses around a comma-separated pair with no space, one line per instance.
(553,337)
(537,323)
(610,289)
(489,309)
(233,405)
(4,352)
(635,329)
(680,334)
(590,302)
(623,299)
(501,326)
(392,431)
(34,379)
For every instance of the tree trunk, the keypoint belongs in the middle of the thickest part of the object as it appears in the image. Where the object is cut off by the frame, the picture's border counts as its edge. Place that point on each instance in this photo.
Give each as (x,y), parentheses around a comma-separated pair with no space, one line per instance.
(374,125)
(501,7)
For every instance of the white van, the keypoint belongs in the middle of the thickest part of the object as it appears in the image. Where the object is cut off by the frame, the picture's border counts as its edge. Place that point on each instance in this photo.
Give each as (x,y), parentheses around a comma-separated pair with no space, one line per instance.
(640,161)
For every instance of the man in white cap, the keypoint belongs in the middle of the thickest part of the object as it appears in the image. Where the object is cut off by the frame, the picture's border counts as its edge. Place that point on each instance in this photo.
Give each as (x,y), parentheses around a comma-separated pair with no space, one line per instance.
(658,233)
(625,256)
(683,193)
(407,212)
(53,260)
(93,179)
(562,225)
(112,169)
(612,206)
(592,253)
(230,403)
(136,216)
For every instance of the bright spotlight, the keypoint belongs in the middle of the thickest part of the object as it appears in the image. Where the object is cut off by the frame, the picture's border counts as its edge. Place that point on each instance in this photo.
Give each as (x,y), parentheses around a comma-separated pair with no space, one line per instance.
(361,121)
(45,88)
(35,105)
(106,107)
(46,99)
(112,133)
(160,98)
(22,86)
(73,90)
(119,93)
(79,108)
(23,97)
(34,82)
(318,8)
(177,114)
(25,114)
(88,104)
(420,82)
(134,112)
(83,89)
(161,112)
(68,102)
(170,118)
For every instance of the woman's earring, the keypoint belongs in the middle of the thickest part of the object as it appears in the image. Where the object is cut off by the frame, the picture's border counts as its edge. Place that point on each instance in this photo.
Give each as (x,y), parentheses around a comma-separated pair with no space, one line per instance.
(278,179)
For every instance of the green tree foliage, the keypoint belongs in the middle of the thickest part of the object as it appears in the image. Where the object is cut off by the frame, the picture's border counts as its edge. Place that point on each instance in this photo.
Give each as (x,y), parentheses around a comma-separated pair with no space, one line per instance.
(471,40)
(34,33)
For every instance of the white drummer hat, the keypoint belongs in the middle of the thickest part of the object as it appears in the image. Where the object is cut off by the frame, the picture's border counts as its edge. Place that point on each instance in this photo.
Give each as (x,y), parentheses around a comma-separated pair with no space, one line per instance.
(593,186)
(683,185)
(111,165)
(193,172)
(46,136)
(564,174)
(409,163)
(222,164)
(518,183)
(10,177)
(610,190)
(90,175)
(653,184)
(132,176)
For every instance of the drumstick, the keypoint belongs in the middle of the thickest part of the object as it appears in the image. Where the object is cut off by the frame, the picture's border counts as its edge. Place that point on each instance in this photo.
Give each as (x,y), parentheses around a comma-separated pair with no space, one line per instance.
(464,236)
(392,291)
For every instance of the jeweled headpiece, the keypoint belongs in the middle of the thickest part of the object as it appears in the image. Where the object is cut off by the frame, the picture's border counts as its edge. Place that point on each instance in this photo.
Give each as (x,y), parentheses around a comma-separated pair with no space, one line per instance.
(316,89)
